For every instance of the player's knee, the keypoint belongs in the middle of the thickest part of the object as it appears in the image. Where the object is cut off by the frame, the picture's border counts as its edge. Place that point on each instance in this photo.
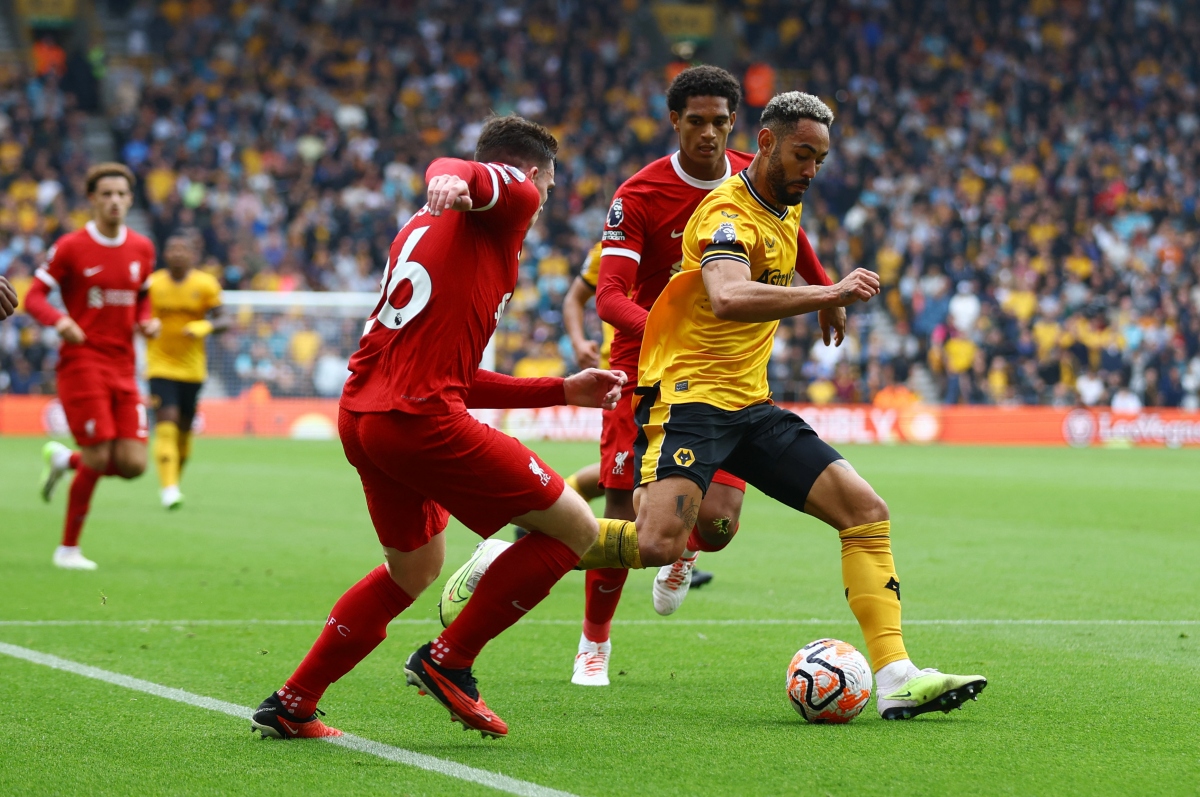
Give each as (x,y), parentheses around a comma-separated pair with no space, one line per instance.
(660,550)
(415,577)
(868,507)
(131,469)
(96,458)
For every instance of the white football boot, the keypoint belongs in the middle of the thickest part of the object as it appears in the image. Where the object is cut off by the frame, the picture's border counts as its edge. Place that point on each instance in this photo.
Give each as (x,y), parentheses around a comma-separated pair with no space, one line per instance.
(69,557)
(462,584)
(591,663)
(672,583)
(56,461)
(171,497)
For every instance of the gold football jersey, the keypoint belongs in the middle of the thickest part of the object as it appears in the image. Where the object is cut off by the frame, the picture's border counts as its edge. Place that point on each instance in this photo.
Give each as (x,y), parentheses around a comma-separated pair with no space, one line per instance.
(694,355)
(174,355)
(591,275)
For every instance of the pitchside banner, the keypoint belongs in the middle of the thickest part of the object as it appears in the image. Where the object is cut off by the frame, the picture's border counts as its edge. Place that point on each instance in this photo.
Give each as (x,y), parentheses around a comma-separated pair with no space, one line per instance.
(258,415)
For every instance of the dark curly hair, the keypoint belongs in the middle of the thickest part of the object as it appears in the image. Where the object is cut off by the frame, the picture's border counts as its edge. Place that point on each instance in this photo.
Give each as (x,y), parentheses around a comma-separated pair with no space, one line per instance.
(517,141)
(703,81)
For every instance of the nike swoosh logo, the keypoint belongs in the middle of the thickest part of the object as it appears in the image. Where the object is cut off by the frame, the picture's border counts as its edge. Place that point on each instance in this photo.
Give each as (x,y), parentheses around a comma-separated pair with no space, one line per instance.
(284,724)
(607,591)
(91,272)
(676,234)
(519,606)
(903,696)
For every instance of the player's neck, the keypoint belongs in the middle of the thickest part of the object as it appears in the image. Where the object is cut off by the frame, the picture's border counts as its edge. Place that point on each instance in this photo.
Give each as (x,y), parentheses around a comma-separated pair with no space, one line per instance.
(107,228)
(698,171)
(757,172)
(180,277)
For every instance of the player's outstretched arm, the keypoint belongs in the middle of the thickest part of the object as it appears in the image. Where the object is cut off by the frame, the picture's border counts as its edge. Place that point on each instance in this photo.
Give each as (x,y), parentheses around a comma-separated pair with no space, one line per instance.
(8,299)
(587,352)
(735,297)
(588,388)
(593,387)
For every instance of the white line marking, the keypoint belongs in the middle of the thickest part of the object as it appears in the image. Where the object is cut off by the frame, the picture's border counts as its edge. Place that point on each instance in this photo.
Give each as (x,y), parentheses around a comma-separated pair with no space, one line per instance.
(430,763)
(534,621)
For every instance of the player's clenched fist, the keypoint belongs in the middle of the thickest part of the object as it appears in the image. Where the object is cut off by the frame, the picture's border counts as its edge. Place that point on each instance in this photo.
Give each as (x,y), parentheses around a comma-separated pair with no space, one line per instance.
(594,388)
(448,192)
(8,299)
(858,286)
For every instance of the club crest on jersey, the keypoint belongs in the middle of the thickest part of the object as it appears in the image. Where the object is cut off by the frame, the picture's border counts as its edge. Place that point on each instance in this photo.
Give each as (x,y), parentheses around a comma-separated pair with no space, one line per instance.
(619,463)
(616,213)
(539,471)
(135,269)
(725,234)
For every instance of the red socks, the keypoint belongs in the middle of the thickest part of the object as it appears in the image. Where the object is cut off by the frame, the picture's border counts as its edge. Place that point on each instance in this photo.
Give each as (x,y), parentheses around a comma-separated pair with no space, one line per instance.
(75,461)
(698,543)
(79,499)
(516,582)
(602,593)
(356,626)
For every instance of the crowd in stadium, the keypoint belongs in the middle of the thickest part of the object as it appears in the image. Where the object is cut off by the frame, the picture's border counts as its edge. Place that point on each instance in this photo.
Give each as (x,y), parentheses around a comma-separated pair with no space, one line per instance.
(1028,194)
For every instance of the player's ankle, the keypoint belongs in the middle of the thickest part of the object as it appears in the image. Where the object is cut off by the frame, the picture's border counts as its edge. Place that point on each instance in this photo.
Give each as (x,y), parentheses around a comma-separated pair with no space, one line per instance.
(892,676)
(298,702)
(597,632)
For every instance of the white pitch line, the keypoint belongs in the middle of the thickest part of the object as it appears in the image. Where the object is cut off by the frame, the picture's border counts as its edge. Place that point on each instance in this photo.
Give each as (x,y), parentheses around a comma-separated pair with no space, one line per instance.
(661,623)
(429,763)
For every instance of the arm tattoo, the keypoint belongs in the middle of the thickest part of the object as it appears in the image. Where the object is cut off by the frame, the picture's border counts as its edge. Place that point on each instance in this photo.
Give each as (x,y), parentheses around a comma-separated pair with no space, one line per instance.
(687,509)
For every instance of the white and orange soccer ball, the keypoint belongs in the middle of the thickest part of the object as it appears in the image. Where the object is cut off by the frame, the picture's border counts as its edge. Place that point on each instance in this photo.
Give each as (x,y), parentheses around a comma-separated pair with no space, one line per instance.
(829,681)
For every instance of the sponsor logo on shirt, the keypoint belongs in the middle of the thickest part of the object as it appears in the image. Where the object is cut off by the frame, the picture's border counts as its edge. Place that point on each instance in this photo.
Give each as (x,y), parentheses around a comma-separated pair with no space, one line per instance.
(773,276)
(98,297)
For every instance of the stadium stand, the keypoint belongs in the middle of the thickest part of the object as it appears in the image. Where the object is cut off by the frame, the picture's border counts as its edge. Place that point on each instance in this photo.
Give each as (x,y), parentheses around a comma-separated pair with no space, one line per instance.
(1029,194)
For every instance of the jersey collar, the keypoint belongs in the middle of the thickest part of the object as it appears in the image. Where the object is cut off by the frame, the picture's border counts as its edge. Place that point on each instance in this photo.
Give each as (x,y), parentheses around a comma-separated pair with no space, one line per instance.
(94,232)
(707,185)
(770,208)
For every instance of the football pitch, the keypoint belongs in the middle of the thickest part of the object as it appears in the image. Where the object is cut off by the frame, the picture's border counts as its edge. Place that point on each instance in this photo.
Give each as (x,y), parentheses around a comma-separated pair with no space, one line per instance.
(1068,578)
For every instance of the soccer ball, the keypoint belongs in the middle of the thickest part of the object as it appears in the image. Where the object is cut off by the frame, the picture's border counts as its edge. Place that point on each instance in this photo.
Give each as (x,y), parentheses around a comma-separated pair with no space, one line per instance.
(828,681)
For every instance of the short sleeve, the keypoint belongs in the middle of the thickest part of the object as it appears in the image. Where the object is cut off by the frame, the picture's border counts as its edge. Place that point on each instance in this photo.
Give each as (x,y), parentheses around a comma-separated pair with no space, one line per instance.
(56,268)
(724,232)
(624,231)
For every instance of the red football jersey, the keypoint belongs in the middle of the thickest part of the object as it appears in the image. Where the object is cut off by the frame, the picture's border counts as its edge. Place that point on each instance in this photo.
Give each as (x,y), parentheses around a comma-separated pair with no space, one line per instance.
(100,279)
(447,282)
(645,224)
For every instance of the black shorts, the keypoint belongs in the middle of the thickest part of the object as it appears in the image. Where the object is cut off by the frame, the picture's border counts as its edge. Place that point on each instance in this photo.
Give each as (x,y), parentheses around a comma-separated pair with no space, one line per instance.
(769,447)
(173,393)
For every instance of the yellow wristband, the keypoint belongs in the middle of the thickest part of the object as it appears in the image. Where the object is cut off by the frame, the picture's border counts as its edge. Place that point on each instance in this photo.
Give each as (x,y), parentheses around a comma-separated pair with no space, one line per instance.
(199,329)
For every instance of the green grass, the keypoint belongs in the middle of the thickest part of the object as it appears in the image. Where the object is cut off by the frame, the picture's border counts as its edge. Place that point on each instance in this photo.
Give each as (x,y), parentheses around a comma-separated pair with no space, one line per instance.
(278,530)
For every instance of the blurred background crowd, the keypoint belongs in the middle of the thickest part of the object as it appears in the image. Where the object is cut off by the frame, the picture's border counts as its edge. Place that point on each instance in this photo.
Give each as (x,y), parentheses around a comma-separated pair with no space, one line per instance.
(1022,173)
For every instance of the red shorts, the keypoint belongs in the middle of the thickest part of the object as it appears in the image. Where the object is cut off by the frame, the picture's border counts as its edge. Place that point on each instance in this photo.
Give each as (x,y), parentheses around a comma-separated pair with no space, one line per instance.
(417,470)
(617,435)
(101,404)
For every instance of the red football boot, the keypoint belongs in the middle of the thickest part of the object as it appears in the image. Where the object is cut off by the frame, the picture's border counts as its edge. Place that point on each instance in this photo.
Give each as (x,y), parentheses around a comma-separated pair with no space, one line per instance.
(274,721)
(454,689)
